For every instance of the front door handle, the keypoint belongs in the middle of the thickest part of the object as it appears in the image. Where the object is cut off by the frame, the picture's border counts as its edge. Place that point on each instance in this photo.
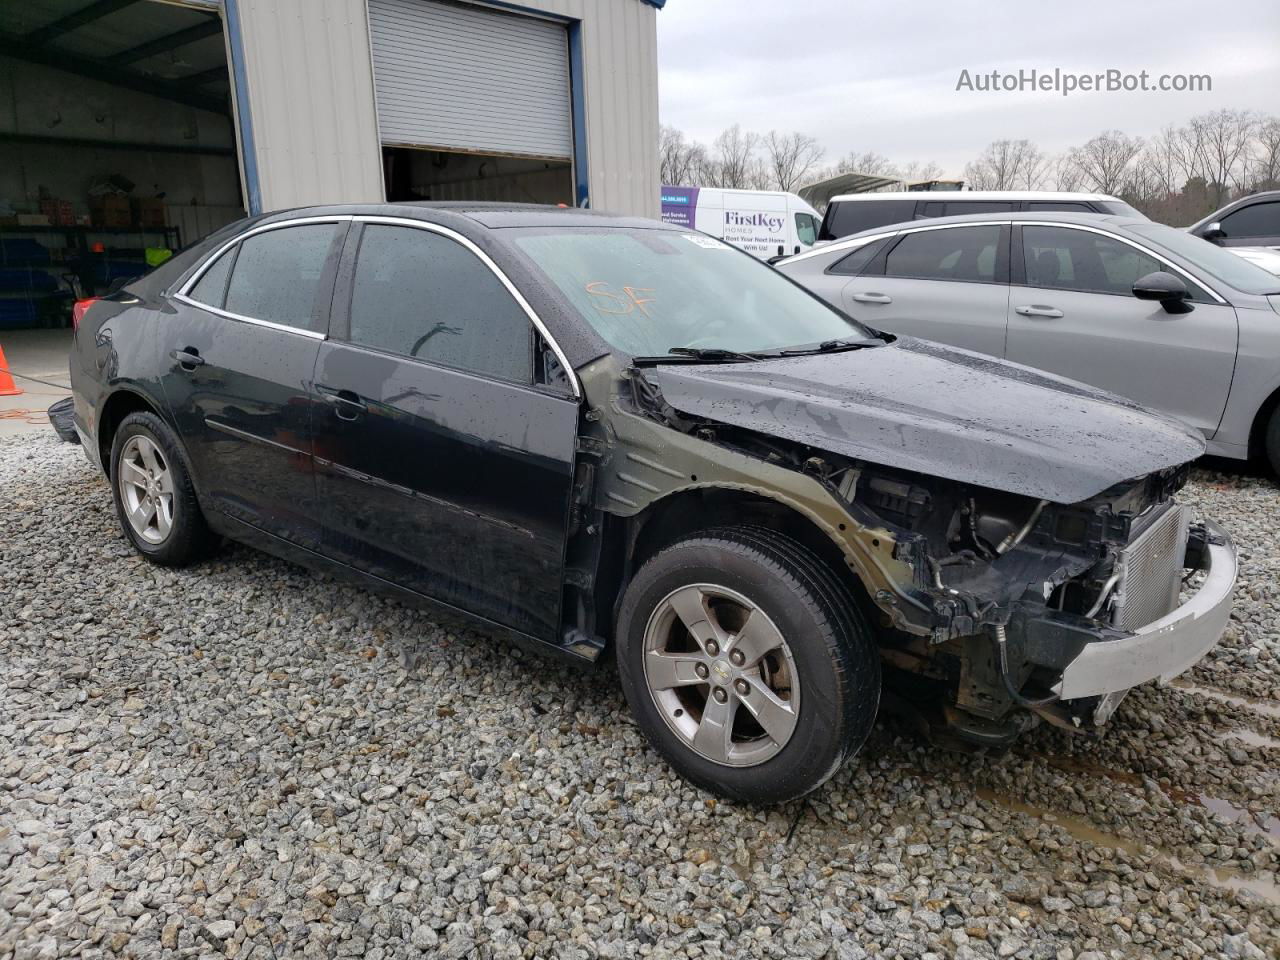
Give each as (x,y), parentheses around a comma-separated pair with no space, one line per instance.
(1037,310)
(872,298)
(346,404)
(188,358)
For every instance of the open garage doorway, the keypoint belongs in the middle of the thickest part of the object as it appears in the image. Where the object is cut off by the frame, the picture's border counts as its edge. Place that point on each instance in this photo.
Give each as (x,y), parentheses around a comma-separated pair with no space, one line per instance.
(117,146)
(415,174)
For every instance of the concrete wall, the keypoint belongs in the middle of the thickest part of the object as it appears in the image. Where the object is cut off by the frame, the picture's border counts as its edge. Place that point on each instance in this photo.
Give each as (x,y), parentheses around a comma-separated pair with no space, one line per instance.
(310,96)
(42,101)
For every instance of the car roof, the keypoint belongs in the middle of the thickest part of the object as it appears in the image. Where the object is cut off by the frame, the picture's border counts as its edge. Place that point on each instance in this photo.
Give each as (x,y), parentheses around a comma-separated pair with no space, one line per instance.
(1113,220)
(973,195)
(1260,196)
(491,215)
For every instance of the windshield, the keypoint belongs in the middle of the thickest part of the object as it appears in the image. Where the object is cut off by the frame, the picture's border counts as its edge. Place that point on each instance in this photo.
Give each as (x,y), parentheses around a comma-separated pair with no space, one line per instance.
(646,291)
(1216,261)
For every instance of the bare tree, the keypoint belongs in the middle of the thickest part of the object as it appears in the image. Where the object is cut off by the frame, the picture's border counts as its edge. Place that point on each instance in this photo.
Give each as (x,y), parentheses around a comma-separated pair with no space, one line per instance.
(790,157)
(1062,172)
(680,160)
(917,170)
(1106,162)
(1264,164)
(1221,141)
(866,162)
(731,164)
(1007,165)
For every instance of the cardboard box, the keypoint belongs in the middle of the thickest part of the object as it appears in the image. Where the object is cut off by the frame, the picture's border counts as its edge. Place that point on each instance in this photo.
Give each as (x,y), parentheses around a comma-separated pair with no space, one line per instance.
(110,210)
(59,212)
(149,212)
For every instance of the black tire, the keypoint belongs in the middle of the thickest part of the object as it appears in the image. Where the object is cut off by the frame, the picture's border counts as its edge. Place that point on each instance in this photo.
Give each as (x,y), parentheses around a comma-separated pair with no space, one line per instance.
(189,538)
(832,645)
(1271,441)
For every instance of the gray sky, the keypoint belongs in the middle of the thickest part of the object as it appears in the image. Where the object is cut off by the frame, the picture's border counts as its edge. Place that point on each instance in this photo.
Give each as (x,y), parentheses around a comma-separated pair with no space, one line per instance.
(882,76)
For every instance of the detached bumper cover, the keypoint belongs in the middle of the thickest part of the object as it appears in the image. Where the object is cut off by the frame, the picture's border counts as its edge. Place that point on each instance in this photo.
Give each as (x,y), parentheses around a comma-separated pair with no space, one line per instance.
(1165,647)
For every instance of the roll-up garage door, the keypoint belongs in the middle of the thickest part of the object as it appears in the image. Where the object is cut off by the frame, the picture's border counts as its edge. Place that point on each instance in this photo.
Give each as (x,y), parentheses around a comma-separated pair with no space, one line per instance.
(452,77)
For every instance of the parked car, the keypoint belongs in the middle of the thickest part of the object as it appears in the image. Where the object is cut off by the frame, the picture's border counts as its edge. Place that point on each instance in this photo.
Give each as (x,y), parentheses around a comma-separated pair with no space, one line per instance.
(1124,304)
(855,212)
(1249,227)
(592,433)
(766,223)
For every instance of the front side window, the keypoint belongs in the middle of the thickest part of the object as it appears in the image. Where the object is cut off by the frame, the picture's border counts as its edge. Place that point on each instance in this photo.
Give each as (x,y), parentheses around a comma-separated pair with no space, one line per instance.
(646,291)
(1255,220)
(956,208)
(276,276)
(955,253)
(1059,205)
(806,229)
(1065,259)
(419,294)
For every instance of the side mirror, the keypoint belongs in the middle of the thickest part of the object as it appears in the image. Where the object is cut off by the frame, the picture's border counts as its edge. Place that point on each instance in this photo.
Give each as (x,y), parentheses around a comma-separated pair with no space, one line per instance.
(1169,290)
(1214,233)
(782,251)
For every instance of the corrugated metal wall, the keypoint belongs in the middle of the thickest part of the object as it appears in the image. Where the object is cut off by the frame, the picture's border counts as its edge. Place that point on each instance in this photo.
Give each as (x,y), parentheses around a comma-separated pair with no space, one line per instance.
(311,100)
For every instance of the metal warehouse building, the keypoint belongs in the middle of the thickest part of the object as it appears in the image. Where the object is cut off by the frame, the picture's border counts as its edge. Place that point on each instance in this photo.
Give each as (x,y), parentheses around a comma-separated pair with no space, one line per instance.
(132,127)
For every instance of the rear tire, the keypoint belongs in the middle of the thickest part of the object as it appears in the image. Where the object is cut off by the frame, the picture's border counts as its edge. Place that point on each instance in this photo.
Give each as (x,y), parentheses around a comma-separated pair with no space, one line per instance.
(800,685)
(155,501)
(1271,441)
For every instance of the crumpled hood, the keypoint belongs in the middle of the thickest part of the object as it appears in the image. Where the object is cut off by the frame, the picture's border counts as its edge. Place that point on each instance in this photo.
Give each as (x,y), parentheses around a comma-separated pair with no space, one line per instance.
(943,412)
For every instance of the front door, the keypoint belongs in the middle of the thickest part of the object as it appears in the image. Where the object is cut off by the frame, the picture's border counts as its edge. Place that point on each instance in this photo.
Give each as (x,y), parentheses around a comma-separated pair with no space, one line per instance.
(941,283)
(242,348)
(441,465)
(1072,311)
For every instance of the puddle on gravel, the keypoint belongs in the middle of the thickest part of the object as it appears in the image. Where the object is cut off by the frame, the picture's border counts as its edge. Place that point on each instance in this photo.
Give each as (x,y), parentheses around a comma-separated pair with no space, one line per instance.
(1265,823)
(1268,708)
(1223,878)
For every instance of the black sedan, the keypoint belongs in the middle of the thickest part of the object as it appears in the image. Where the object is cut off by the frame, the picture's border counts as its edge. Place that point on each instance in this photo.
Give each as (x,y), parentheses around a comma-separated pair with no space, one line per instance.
(598,434)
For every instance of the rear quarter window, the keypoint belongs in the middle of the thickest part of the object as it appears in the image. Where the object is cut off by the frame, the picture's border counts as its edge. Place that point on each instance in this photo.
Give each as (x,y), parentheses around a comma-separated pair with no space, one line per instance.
(847,217)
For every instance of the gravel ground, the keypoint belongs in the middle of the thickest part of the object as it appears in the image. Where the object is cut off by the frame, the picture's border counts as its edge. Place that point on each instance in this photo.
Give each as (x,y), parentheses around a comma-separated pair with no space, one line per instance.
(244,759)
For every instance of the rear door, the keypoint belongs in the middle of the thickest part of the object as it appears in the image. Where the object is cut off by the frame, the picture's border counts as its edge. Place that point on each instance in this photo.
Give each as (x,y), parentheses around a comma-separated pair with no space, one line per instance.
(948,284)
(443,465)
(241,348)
(1072,312)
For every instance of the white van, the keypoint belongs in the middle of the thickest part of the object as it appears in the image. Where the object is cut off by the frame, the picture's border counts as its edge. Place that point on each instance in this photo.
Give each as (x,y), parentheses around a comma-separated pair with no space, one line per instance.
(767,223)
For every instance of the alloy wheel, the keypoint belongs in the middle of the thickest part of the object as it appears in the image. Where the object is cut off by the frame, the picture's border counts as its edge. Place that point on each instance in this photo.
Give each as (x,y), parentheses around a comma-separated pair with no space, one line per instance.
(146,489)
(721,675)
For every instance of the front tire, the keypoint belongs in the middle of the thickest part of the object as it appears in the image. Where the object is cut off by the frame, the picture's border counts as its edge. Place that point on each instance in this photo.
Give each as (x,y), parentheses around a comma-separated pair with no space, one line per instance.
(155,501)
(747,664)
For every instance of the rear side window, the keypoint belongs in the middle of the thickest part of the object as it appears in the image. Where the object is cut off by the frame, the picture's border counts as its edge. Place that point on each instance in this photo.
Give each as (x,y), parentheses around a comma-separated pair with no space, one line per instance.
(277,275)
(858,260)
(420,294)
(954,253)
(211,289)
(955,208)
(846,217)
(1255,220)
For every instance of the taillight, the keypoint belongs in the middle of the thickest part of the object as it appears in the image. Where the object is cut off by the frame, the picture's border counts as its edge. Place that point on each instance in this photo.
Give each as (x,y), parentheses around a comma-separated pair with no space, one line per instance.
(79,309)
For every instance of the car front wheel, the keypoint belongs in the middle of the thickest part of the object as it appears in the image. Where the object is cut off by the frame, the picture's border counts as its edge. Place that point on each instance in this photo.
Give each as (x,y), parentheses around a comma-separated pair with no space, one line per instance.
(154,498)
(747,664)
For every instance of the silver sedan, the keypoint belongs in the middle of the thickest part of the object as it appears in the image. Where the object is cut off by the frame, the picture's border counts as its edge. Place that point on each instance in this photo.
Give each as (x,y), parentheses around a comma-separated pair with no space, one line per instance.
(1134,307)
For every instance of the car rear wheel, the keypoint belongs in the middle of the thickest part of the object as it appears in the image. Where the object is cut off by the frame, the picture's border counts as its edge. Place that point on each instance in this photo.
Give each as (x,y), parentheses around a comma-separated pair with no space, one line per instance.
(155,501)
(747,664)
(1271,441)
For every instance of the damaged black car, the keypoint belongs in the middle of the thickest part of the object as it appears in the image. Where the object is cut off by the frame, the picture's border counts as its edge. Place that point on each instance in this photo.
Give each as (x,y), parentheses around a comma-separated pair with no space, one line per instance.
(607,436)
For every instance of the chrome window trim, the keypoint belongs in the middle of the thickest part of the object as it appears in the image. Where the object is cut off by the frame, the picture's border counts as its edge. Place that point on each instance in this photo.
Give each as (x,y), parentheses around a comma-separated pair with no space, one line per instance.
(183,294)
(853,243)
(1137,246)
(497,272)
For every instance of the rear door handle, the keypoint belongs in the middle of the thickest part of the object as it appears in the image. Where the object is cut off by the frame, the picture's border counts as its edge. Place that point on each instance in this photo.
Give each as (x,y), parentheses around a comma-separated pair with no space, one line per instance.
(346,404)
(1037,310)
(872,298)
(188,358)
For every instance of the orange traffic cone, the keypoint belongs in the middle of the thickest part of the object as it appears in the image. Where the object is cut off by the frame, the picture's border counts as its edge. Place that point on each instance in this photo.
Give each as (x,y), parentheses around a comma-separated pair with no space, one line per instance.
(7,387)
